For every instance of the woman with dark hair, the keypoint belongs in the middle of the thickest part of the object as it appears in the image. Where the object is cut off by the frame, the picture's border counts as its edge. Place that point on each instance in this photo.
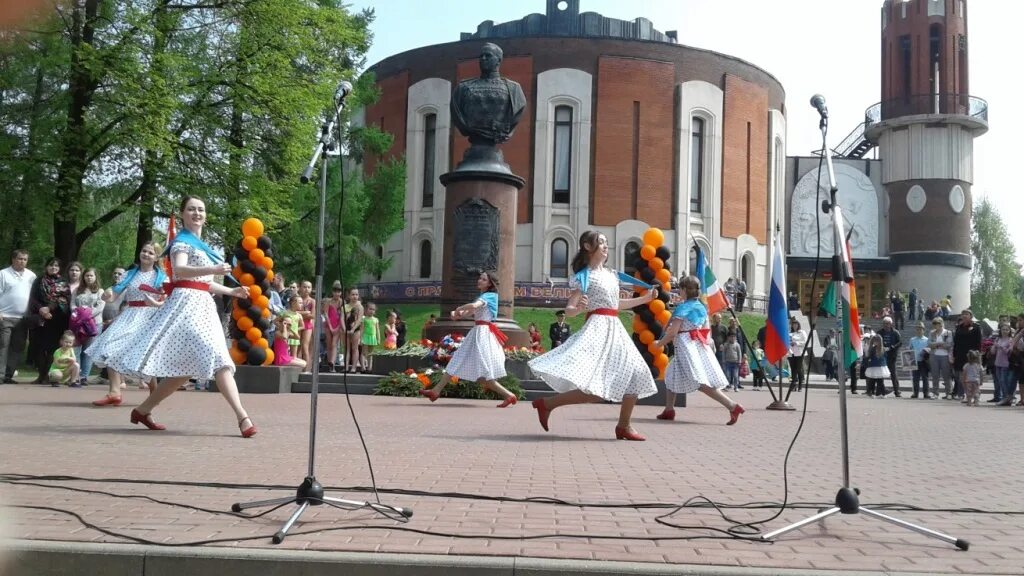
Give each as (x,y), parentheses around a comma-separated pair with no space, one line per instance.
(480,357)
(600,361)
(49,306)
(184,338)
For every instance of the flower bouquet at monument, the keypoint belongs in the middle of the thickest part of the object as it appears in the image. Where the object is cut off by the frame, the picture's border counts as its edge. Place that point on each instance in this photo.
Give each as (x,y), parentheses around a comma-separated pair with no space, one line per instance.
(442,351)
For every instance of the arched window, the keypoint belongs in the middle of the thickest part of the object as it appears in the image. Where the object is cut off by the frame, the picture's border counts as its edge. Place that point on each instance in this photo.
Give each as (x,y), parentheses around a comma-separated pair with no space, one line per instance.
(559,259)
(562,156)
(429,146)
(629,256)
(693,259)
(747,269)
(696,164)
(425,253)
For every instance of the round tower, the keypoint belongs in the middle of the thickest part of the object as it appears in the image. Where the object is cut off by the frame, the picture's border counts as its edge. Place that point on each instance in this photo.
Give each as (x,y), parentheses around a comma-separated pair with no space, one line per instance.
(925,127)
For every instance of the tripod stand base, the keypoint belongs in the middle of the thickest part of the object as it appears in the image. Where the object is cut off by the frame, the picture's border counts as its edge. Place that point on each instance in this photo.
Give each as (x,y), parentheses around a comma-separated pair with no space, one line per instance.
(780,405)
(847,502)
(311,493)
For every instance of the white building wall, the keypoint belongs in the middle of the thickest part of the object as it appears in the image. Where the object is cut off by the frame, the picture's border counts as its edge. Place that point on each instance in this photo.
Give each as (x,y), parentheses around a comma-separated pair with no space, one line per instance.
(699,98)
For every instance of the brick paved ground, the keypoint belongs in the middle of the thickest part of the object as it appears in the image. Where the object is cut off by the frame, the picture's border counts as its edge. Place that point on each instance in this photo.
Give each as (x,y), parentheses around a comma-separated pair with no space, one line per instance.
(929,454)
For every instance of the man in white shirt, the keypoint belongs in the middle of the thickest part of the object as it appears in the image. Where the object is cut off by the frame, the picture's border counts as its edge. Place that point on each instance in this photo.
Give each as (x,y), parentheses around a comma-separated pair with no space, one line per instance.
(15,285)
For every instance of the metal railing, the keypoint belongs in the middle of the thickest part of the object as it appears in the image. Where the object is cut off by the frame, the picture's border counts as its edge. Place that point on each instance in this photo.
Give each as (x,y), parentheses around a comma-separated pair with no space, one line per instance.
(960,104)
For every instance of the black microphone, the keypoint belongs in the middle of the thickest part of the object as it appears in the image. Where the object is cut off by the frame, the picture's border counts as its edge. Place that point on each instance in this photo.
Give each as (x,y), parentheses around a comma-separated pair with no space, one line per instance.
(818,102)
(344,89)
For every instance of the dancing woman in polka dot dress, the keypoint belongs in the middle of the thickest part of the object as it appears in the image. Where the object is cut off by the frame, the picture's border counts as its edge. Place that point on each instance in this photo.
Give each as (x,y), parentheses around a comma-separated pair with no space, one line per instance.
(600,362)
(184,338)
(694,366)
(480,357)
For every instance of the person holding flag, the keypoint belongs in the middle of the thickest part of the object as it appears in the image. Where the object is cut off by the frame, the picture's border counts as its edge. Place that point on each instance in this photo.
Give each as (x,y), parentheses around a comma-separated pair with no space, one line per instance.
(693,367)
(600,361)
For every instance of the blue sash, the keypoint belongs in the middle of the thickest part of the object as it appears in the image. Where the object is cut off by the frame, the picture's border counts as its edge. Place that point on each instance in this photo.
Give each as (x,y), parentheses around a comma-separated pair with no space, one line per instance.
(186,237)
(124,283)
(491,299)
(693,310)
(583,279)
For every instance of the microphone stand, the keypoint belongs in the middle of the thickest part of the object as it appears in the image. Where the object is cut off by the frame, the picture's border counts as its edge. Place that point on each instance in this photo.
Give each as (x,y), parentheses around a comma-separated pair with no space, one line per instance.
(311,492)
(847,499)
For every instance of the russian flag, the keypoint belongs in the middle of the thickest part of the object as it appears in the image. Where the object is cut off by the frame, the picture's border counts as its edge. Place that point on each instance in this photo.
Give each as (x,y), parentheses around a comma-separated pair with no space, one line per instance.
(776,344)
(714,296)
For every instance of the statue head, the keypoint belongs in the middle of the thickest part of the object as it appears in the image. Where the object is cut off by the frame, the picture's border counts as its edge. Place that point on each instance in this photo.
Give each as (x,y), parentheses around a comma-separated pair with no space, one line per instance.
(491,56)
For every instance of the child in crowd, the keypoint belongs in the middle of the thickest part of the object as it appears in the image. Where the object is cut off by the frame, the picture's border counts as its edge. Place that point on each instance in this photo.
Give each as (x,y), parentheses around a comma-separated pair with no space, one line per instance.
(391,331)
(64,369)
(759,376)
(370,338)
(293,318)
(972,378)
(877,371)
(283,336)
(731,357)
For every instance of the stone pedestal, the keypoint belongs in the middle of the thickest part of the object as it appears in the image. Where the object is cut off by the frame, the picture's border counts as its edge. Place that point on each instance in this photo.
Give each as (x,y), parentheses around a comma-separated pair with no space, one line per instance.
(479,235)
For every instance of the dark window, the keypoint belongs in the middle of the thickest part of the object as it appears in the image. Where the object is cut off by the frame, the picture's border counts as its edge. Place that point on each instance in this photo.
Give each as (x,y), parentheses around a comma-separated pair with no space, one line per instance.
(630,255)
(562,155)
(696,164)
(905,59)
(425,254)
(559,259)
(429,146)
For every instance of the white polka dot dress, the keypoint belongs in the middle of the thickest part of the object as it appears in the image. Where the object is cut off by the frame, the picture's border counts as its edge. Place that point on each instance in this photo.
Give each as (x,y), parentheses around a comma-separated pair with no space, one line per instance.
(600,358)
(693,364)
(125,329)
(184,336)
(480,354)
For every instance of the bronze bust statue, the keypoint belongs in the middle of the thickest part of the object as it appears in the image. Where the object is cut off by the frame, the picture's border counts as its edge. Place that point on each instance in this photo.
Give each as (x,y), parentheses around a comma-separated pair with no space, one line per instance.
(486,110)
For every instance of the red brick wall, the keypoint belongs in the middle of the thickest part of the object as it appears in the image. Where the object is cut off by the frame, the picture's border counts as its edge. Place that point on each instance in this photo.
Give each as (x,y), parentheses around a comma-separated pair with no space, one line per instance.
(745,160)
(518,150)
(389,114)
(621,82)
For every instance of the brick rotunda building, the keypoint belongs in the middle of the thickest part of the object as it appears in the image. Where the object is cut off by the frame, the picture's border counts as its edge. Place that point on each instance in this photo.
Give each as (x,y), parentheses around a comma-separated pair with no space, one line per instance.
(625,129)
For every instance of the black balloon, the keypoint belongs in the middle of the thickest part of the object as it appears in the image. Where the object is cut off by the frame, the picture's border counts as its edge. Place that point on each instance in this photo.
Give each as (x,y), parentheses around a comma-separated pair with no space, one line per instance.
(656,330)
(254,314)
(235,331)
(241,254)
(265,287)
(655,372)
(269,252)
(646,315)
(256,356)
(264,243)
(663,296)
(647,275)
(247,265)
(648,357)
(263,324)
(243,344)
(663,253)
(244,303)
(639,263)
(259,274)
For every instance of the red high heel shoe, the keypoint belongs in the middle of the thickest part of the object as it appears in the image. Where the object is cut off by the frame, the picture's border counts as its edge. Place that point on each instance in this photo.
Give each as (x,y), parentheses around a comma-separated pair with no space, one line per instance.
(250,431)
(542,413)
(429,394)
(145,420)
(510,400)
(625,434)
(734,414)
(667,414)
(107,401)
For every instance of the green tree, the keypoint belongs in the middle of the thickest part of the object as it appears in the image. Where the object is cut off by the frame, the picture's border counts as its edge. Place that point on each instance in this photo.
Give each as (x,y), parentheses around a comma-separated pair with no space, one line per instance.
(996,277)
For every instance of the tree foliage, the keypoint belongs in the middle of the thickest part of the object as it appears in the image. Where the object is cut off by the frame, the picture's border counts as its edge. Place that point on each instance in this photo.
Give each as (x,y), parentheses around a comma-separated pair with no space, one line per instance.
(996,277)
(111,110)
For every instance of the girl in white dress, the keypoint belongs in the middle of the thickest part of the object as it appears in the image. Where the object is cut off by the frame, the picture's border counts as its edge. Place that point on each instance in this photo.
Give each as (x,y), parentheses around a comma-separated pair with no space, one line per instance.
(121,334)
(694,366)
(600,362)
(185,338)
(480,357)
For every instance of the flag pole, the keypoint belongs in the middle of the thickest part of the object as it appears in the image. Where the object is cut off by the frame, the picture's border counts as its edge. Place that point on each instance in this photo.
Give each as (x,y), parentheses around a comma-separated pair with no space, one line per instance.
(780,401)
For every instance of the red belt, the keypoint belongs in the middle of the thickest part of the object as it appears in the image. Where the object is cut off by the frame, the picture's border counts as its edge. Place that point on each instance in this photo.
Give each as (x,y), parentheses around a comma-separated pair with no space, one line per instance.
(700,335)
(502,338)
(138,304)
(191,284)
(603,312)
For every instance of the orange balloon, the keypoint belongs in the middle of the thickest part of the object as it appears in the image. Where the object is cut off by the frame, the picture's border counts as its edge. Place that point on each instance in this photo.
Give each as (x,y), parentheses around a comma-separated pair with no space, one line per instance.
(663,276)
(261,302)
(262,343)
(237,313)
(252,227)
(639,325)
(265,313)
(270,275)
(237,355)
(656,264)
(647,252)
(654,349)
(647,336)
(244,323)
(666,287)
(270,358)
(661,374)
(654,236)
(255,291)
(246,279)
(661,361)
(249,242)
(656,306)
(253,334)
(664,317)
(236,272)
(268,263)
(256,255)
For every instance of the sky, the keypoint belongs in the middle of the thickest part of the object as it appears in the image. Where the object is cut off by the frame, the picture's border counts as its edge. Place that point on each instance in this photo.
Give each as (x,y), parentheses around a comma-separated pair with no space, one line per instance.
(812,46)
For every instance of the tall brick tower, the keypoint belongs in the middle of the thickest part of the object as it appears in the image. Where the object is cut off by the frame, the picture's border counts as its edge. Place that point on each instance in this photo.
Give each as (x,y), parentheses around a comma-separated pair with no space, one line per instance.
(925,127)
